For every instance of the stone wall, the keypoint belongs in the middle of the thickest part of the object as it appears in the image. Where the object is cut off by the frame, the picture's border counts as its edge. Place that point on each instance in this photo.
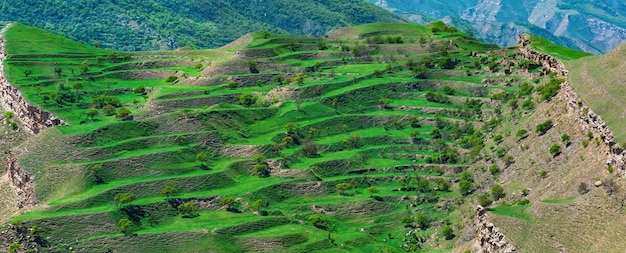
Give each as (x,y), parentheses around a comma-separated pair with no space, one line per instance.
(488,236)
(589,120)
(32,117)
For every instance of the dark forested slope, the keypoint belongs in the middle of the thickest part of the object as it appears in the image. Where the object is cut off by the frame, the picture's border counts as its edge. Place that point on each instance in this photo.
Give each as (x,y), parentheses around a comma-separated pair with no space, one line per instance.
(160,24)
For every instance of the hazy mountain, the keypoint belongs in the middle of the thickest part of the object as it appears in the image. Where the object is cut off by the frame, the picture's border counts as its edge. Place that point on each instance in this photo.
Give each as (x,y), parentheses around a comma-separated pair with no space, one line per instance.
(160,24)
(592,26)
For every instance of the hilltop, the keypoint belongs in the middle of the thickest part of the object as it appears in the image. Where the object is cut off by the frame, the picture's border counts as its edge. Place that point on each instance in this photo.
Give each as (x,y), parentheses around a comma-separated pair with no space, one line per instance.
(157,24)
(380,138)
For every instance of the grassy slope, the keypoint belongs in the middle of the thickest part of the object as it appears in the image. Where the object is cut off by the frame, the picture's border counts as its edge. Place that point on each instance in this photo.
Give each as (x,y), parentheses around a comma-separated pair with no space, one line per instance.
(176,122)
(560,216)
(560,52)
(599,77)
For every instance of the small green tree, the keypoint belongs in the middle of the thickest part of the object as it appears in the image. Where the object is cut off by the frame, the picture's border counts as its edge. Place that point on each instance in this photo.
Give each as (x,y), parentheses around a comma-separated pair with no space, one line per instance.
(447,232)
(96,172)
(15,247)
(77,87)
(372,190)
(170,189)
(343,187)
(258,205)
(124,225)
(202,157)
(91,113)
(27,72)
(484,199)
(84,67)
(261,169)
(555,150)
(188,209)
(123,113)
(230,203)
(171,79)
(300,78)
(497,192)
(466,187)
(124,198)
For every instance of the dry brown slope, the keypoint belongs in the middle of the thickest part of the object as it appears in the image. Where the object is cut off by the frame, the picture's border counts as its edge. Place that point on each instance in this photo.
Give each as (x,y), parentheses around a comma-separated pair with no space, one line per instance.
(600,81)
(592,222)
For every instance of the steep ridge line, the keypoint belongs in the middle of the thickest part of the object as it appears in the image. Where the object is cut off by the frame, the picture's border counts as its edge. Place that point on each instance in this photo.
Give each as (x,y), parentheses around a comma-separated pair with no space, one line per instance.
(32,117)
(589,120)
(488,236)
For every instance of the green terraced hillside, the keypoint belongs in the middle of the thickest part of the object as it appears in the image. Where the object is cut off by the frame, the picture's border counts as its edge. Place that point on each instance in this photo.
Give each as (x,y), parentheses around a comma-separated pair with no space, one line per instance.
(359,140)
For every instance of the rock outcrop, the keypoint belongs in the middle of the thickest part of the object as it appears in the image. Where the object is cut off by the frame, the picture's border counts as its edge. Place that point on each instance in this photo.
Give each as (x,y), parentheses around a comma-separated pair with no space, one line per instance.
(32,117)
(589,120)
(21,182)
(488,236)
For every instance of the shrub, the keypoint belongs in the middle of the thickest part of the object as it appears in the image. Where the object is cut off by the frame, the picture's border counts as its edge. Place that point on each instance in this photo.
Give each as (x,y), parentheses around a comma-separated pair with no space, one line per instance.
(171,79)
(555,150)
(565,139)
(123,113)
(494,169)
(521,134)
(498,138)
(583,188)
(448,90)
(447,232)
(484,199)
(528,104)
(497,192)
(550,90)
(466,187)
(542,128)
(188,209)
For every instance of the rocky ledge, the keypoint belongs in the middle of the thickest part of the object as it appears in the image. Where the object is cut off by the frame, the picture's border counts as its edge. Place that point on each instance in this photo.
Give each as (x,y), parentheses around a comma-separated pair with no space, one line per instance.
(589,120)
(488,236)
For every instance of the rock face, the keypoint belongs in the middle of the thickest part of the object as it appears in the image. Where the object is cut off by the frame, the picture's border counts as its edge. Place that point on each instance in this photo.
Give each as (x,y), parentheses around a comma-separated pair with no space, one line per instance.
(488,236)
(21,182)
(32,117)
(589,120)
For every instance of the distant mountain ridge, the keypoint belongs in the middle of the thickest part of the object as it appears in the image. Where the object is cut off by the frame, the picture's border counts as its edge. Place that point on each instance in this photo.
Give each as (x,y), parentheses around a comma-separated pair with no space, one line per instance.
(159,24)
(591,26)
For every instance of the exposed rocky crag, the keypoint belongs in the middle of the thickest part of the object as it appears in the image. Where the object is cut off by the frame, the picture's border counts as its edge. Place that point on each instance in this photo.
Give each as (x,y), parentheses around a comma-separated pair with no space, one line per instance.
(589,120)
(21,182)
(488,236)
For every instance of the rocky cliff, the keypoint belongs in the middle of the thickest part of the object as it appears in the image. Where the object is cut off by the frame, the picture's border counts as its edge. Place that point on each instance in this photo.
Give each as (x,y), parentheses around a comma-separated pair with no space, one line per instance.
(32,117)
(21,182)
(488,236)
(589,120)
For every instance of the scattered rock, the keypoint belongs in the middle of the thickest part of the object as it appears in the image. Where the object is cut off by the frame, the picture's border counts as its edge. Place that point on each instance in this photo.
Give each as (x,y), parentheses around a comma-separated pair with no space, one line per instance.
(597,184)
